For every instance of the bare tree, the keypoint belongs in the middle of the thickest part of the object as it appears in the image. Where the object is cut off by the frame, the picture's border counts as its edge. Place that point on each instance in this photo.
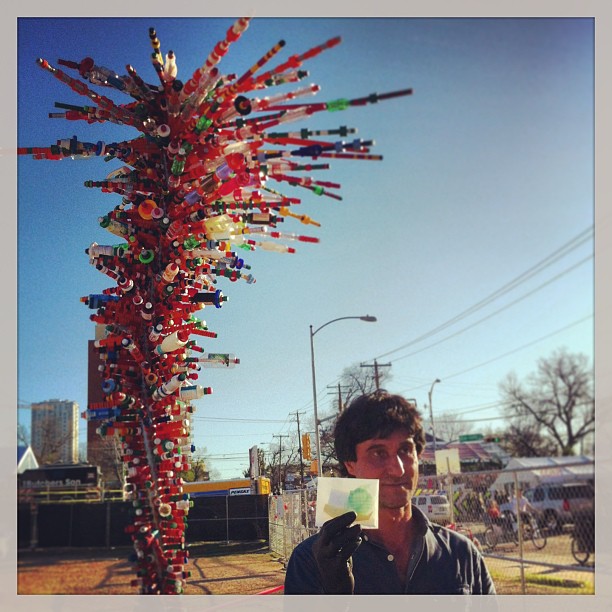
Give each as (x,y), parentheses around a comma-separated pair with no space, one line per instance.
(556,402)
(83,452)
(526,440)
(104,453)
(329,461)
(52,441)
(282,459)
(199,469)
(23,435)
(449,426)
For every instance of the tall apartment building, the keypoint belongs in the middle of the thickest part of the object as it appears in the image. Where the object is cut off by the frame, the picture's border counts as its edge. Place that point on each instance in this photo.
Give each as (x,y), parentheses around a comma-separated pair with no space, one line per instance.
(55,431)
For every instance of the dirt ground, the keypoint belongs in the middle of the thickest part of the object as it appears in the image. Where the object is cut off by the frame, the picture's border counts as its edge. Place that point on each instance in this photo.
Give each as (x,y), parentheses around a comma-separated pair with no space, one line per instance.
(237,568)
(217,568)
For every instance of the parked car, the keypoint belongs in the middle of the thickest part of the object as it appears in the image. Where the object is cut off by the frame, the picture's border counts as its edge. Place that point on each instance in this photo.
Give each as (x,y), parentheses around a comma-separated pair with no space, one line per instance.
(435,507)
(556,502)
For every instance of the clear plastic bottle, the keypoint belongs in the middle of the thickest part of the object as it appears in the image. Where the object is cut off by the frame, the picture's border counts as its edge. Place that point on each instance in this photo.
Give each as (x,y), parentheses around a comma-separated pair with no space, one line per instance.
(216,360)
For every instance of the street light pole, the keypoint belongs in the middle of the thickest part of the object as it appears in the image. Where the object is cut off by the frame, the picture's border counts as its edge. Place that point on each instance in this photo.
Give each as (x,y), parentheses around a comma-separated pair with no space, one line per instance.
(367,319)
(433,430)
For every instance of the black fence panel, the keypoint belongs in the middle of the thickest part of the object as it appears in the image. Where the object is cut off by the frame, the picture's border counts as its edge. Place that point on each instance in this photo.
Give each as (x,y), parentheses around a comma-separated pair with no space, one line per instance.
(55,525)
(238,518)
(120,516)
(88,524)
(24,526)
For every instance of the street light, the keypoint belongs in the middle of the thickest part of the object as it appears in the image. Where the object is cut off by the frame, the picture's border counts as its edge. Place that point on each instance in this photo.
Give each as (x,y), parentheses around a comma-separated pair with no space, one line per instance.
(263,454)
(367,319)
(433,430)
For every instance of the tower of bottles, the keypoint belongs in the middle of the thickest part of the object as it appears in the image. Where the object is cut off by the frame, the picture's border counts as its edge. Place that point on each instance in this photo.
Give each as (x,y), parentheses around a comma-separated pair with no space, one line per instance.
(197,189)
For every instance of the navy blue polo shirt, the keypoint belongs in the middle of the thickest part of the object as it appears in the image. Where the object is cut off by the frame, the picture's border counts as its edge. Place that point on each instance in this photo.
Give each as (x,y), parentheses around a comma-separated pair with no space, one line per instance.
(441,562)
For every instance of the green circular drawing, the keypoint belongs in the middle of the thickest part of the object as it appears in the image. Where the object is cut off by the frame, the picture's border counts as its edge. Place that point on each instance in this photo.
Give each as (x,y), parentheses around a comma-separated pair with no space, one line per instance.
(360,500)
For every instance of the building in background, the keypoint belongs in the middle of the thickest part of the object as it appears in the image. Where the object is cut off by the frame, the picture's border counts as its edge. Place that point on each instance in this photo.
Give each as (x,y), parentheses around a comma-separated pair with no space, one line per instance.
(55,431)
(101,450)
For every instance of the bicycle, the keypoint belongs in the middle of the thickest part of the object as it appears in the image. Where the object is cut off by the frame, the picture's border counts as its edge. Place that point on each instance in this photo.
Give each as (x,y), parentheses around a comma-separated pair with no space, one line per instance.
(580,551)
(532,531)
(506,531)
(499,531)
(583,540)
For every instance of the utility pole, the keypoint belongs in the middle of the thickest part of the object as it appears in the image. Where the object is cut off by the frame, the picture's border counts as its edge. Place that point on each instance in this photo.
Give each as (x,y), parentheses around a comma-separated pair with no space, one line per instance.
(297,415)
(280,455)
(376,366)
(340,406)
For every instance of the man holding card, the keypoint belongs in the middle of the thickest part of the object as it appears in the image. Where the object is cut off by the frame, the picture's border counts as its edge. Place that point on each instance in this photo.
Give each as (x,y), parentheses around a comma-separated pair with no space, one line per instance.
(380,436)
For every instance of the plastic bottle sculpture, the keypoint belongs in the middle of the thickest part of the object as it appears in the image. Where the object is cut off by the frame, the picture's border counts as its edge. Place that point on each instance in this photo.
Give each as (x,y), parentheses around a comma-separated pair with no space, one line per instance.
(195,189)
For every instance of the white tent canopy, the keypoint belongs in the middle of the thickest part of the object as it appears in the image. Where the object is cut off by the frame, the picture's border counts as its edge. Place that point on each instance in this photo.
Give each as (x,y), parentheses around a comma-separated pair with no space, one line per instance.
(530,471)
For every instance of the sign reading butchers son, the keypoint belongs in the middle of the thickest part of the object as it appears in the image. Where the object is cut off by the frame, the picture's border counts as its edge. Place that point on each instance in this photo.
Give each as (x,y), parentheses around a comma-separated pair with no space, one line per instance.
(61,476)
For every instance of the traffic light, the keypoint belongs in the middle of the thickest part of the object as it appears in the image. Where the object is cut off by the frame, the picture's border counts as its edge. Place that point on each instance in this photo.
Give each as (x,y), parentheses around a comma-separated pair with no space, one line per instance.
(306,447)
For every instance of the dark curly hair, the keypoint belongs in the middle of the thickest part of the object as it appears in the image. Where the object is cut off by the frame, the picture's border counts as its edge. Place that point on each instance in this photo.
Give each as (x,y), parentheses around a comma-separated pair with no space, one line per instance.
(375,415)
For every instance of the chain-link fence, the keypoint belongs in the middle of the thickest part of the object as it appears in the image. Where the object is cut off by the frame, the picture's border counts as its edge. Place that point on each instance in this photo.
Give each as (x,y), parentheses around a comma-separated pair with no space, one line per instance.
(549,544)
(291,519)
(535,526)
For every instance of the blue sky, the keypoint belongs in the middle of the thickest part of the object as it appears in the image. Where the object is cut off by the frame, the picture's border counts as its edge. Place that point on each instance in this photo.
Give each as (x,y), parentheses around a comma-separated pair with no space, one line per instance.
(487,170)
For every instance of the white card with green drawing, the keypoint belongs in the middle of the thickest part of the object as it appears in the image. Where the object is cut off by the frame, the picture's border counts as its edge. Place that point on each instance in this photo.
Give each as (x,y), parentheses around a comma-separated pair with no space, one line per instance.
(336,496)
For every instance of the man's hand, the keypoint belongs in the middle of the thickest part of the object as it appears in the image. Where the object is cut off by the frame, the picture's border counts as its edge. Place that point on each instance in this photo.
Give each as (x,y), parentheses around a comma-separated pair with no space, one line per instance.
(332,551)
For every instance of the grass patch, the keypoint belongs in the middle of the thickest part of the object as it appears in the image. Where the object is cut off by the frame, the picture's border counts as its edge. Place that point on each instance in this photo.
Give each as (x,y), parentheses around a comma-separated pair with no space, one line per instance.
(563,583)
(538,584)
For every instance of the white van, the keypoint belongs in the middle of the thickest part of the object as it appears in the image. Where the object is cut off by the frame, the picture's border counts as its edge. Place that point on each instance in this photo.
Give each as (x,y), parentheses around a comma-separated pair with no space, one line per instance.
(435,507)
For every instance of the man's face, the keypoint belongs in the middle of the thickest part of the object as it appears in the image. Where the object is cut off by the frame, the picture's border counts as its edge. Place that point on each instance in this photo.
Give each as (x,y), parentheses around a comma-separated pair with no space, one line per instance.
(393,461)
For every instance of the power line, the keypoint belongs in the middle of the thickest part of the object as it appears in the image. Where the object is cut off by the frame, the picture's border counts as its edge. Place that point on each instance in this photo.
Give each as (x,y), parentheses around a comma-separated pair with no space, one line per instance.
(236,420)
(477,408)
(520,348)
(549,260)
(497,418)
(496,312)
(543,264)
(245,435)
(213,458)
(515,350)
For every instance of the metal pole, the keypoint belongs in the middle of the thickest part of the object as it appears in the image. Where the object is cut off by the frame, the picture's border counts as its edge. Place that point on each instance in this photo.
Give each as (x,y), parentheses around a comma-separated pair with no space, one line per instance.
(367,319)
(297,414)
(108,522)
(433,429)
(450,491)
(33,525)
(227,519)
(314,399)
(280,459)
(520,531)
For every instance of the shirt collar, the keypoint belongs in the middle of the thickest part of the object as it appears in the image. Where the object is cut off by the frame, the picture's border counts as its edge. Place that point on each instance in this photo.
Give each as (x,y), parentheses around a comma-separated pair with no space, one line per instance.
(423,526)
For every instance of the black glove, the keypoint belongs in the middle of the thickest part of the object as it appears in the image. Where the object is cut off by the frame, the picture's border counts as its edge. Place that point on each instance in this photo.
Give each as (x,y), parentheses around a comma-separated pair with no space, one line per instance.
(332,551)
